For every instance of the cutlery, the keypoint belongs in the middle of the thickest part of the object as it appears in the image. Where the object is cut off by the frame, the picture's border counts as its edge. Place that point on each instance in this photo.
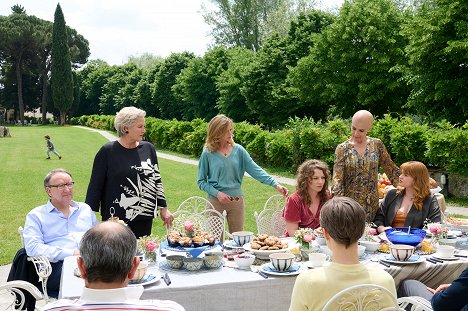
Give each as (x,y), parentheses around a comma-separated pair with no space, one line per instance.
(437,259)
(260,272)
(461,256)
(431,260)
(166,279)
(384,263)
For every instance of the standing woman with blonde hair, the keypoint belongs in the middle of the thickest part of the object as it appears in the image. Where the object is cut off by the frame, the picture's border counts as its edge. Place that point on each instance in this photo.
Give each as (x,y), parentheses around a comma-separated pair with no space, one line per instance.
(221,169)
(126,180)
(303,207)
(411,203)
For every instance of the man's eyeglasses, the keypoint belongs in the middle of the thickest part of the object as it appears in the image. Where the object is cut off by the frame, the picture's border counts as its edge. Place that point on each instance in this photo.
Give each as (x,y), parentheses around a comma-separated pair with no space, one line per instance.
(62,186)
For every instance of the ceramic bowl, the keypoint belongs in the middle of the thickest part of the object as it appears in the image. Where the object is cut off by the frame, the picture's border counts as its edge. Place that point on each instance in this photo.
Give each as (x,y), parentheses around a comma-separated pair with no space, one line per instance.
(282,261)
(401,252)
(140,272)
(213,260)
(320,240)
(193,264)
(242,237)
(175,261)
(401,236)
(244,260)
(371,246)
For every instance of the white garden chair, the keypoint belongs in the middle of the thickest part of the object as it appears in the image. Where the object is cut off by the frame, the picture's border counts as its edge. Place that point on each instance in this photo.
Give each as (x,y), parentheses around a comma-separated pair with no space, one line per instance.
(202,214)
(42,266)
(13,297)
(364,297)
(415,303)
(270,222)
(275,202)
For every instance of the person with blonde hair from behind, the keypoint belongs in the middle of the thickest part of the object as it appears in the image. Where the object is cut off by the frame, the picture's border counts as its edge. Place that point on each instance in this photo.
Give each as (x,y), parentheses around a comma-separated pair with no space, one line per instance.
(303,207)
(412,203)
(221,170)
(343,221)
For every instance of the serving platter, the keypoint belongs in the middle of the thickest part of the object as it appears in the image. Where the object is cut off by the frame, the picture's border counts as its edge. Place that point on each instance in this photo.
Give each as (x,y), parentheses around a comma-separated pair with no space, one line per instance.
(150,278)
(414,259)
(295,269)
(263,254)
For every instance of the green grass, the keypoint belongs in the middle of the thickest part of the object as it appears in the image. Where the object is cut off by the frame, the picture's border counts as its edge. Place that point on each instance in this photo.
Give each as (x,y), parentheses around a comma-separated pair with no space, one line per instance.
(462,202)
(24,166)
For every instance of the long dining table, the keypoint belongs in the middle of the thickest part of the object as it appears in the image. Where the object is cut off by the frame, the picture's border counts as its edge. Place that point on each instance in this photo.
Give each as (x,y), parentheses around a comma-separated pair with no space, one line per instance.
(230,289)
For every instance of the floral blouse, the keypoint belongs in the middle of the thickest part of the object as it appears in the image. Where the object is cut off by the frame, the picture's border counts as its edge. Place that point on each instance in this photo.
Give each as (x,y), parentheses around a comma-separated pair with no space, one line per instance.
(356,175)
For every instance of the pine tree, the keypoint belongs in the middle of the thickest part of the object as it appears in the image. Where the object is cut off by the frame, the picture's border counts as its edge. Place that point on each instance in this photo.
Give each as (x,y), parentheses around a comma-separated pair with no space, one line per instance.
(61,71)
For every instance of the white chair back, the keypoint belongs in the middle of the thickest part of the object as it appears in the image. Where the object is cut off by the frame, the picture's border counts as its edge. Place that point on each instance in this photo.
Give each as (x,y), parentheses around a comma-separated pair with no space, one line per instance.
(414,303)
(270,222)
(275,202)
(13,297)
(363,297)
(202,214)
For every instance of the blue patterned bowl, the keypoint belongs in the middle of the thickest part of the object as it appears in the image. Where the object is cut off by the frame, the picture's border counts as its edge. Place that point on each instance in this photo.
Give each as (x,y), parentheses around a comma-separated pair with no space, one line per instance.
(401,236)
(282,261)
(242,237)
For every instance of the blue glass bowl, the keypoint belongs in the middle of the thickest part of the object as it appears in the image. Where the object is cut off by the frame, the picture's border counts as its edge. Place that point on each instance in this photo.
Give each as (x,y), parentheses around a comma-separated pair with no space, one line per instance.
(401,236)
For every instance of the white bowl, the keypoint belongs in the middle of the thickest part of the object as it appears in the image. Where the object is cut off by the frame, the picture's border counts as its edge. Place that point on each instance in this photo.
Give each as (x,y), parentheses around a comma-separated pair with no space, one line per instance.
(242,237)
(401,252)
(371,246)
(213,260)
(320,240)
(140,272)
(450,242)
(193,264)
(175,261)
(244,260)
(282,261)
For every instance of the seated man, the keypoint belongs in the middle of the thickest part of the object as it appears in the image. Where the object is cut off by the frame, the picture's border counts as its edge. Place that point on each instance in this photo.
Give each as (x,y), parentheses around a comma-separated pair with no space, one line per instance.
(445,297)
(343,221)
(107,261)
(53,230)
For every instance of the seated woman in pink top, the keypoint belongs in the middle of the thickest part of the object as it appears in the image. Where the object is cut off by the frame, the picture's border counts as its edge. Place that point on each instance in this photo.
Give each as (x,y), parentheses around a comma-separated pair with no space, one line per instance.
(303,207)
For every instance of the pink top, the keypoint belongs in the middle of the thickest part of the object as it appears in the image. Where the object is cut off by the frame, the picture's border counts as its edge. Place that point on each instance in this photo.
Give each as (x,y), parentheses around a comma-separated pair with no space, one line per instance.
(297,211)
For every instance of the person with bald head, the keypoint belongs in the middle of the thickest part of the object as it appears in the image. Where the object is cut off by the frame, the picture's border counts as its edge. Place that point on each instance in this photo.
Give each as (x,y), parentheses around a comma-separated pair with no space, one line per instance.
(107,262)
(357,161)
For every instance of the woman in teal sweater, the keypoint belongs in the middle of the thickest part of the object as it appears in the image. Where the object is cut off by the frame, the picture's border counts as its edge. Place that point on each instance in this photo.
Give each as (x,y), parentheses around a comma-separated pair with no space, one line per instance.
(221,169)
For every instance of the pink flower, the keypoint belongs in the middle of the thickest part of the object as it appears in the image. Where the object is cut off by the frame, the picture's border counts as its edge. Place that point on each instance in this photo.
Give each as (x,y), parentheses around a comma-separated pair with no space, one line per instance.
(308,237)
(188,225)
(151,246)
(433,229)
(372,231)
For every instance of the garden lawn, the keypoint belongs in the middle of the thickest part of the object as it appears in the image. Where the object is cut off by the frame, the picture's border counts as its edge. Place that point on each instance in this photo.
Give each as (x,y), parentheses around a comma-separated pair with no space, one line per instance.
(24,166)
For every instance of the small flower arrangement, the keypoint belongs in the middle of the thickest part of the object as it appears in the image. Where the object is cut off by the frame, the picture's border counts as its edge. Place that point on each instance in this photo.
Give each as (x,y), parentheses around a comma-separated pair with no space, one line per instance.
(369,232)
(438,230)
(189,230)
(148,245)
(304,237)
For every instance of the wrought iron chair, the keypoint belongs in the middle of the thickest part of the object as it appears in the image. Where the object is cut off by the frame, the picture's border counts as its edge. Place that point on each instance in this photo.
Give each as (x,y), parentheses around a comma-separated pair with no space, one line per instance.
(203,215)
(275,202)
(13,296)
(270,222)
(415,303)
(364,297)
(42,266)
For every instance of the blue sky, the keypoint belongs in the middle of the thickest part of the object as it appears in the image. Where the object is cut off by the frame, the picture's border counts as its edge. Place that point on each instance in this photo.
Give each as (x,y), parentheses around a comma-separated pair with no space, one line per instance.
(117,29)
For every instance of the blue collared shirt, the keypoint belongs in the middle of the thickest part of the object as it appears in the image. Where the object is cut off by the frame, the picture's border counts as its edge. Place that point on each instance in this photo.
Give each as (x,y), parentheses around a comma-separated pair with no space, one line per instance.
(47,232)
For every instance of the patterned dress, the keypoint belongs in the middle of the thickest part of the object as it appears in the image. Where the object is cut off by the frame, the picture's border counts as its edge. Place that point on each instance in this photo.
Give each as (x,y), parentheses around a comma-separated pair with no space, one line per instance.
(356,175)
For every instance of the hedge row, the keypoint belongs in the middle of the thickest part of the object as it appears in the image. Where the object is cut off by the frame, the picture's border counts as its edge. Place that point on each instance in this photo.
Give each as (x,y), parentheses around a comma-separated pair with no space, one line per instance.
(441,145)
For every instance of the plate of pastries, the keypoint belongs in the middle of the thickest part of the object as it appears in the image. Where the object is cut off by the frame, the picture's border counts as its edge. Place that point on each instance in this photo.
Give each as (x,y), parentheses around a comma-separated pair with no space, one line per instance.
(263,245)
(198,239)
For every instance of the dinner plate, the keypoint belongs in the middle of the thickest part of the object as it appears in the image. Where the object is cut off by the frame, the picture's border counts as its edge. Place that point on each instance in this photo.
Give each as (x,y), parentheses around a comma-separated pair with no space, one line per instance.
(231,244)
(263,254)
(295,269)
(450,234)
(414,259)
(436,255)
(150,278)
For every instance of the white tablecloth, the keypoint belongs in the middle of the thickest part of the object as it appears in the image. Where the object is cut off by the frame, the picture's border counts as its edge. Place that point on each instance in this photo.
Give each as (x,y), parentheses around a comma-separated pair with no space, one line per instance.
(229,289)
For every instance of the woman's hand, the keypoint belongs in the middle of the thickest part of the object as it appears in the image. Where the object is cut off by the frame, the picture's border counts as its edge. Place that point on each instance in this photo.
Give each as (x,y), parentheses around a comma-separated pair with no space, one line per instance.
(166,217)
(223,197)
(283,190)
(381,229)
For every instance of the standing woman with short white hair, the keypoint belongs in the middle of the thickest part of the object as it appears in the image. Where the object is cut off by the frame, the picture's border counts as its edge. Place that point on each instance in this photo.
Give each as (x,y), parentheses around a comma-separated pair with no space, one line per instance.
(126,180)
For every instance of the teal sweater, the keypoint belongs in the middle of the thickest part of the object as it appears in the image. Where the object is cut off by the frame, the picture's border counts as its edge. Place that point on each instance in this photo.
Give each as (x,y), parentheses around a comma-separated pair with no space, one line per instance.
(218,173)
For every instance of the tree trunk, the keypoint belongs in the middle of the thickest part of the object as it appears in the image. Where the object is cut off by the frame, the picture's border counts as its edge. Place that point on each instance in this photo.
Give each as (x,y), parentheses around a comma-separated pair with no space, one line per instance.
(45,84)
(62,117)
(19,80)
